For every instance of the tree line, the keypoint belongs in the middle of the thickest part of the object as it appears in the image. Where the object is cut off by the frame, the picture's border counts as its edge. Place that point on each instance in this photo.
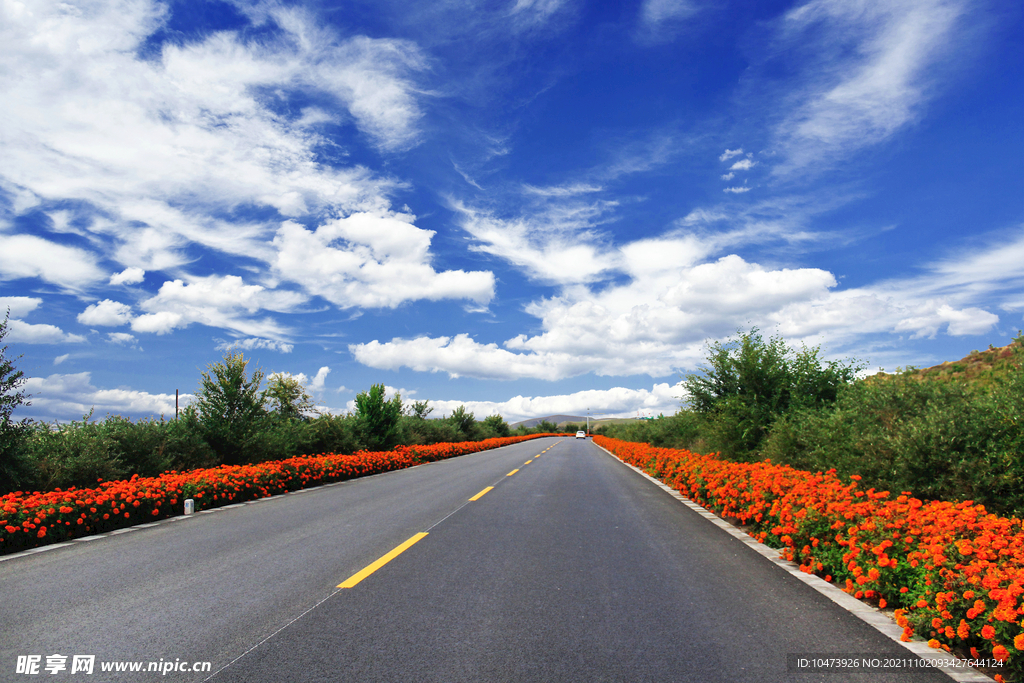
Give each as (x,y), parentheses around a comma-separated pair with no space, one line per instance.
(239,415)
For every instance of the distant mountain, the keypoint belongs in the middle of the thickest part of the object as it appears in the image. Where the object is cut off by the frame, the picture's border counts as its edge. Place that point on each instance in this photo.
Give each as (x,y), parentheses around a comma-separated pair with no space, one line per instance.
(557,419)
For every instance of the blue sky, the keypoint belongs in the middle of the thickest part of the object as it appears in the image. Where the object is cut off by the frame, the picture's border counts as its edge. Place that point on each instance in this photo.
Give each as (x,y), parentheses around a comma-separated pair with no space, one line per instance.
(526,206)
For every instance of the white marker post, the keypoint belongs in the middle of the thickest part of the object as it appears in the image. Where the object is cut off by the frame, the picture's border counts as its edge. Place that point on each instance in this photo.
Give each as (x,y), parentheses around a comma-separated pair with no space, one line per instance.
(190,506)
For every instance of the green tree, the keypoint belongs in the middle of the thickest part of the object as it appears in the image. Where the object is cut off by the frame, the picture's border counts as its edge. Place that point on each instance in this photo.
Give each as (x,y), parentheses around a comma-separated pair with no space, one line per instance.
(13,468)
(229,405)
(378,419)
(463,420)
(748,383)
(420,409)
(287,397)
(497,425)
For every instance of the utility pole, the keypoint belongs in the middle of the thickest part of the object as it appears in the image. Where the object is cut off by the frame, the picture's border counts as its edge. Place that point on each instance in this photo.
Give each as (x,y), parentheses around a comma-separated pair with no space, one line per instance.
(175,404)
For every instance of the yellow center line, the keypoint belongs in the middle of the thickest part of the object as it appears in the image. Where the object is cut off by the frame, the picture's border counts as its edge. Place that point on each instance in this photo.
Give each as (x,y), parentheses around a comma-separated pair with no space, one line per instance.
(481,494)
(362,574)
(512,472)
(527,462)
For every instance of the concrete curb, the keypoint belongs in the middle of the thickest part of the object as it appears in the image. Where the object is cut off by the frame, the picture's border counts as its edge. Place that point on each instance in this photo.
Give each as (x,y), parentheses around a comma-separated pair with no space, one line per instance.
(880,621)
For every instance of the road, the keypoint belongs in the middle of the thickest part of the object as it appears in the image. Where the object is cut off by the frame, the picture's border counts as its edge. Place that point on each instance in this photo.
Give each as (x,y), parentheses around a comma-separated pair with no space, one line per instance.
(573,568)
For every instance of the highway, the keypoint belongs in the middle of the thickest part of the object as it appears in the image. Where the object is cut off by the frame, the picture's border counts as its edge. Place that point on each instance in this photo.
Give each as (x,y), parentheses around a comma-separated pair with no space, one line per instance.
(570,568)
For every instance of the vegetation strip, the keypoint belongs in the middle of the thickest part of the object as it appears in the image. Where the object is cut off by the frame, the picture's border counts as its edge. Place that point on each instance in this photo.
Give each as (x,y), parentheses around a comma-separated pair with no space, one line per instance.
(954,572)
(30,520)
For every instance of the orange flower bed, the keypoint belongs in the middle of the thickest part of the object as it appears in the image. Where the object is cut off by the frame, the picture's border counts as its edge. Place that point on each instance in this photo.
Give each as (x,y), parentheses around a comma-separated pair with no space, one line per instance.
(955,572)
(29,520)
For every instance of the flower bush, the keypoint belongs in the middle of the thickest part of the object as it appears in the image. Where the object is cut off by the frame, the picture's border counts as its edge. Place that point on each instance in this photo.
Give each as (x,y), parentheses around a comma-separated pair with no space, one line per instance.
(29,520)
(954,573)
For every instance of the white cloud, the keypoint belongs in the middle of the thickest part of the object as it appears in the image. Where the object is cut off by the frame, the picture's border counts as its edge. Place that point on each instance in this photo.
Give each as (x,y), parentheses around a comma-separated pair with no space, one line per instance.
(536,11)
(871,76)
(178,141)
(728,176)
(106,313)
(656,12)
(69,397)
(677,297)
(217,301)
(654,325)
(123,339)
(319,380)
(730,153)
(129,276)
(254,343)
(27,256)
(60,359)
(371,260)
(556,243)
(614,402)
(743,165)
(959,322)
(27,333)
(19,306)
(736,190)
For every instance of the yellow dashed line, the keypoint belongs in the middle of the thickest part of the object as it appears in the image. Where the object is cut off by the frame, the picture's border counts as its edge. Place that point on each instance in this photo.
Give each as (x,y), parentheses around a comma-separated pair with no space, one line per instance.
(512,472)
(481,494)
(362,574)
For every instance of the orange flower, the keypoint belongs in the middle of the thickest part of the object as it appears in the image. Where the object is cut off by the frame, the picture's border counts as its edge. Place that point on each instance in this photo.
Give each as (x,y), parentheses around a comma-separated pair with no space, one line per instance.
(987,632)
(1018,641)
(1000,653)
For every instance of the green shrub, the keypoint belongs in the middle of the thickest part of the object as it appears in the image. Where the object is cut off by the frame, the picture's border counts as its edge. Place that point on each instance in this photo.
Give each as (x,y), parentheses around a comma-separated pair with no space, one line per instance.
(749,383)
(937,439)
(378,419)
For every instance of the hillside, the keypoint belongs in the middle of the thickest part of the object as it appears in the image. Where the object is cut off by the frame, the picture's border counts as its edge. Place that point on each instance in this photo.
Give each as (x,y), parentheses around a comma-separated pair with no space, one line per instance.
(980,367)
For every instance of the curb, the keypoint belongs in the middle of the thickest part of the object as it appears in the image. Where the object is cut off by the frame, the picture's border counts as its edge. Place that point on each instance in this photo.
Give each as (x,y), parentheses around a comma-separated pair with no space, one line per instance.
(880,621)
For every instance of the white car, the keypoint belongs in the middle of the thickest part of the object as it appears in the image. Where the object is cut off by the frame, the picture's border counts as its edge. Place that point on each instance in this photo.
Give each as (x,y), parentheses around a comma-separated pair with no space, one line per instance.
(581,435)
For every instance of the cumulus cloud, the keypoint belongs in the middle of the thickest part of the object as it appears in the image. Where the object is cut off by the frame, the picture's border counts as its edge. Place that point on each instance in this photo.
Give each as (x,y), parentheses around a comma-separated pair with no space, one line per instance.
(728,176)
(217,301)
(730,153)
(19,306)
(28,333)
(69,397)
(27,256)
(678,295)
(371,260)
(653,325)
(60,359)
(736,190)
(743,165)
(106,313)
(614,402)
(129,276)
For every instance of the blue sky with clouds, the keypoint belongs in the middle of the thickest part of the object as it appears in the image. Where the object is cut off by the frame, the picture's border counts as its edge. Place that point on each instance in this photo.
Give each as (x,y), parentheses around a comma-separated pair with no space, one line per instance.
(527,206)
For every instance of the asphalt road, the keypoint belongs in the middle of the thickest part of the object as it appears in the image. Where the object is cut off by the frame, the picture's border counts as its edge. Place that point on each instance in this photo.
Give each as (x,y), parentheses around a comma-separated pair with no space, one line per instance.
(571,569)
